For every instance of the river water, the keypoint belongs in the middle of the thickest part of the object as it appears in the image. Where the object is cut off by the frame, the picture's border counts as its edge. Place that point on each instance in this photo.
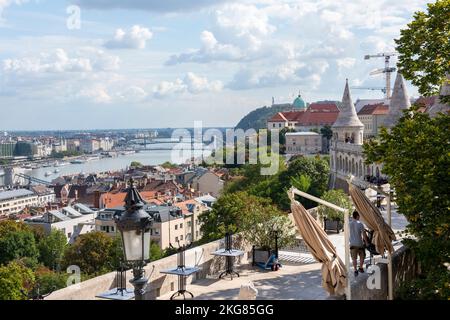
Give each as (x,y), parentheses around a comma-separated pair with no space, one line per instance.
(146,157)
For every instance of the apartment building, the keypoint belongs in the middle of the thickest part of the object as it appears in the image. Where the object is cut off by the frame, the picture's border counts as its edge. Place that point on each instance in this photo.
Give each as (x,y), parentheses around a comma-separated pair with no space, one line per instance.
(14,201)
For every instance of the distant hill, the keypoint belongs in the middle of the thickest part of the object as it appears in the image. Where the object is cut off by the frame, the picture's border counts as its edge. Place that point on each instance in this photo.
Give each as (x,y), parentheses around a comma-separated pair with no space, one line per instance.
(257,119)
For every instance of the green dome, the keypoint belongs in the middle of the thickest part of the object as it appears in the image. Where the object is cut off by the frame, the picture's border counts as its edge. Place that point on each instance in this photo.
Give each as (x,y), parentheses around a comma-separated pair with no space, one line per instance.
(299,103)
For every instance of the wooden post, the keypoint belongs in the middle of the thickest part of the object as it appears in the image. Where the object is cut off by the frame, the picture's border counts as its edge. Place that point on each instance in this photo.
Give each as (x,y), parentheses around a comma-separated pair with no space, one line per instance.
(390,272)
(348,291)
(347,254)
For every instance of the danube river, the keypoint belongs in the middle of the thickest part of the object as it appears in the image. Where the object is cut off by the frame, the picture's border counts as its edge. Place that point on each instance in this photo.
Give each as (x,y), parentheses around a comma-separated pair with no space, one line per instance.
(146,157)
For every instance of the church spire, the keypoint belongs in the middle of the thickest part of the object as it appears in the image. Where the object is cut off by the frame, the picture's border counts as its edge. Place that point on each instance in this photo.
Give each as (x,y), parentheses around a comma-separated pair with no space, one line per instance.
(399,102)
(347,116)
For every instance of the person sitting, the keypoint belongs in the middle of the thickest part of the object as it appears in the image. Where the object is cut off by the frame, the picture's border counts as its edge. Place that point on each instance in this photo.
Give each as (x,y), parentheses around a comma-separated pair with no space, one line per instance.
(358,240)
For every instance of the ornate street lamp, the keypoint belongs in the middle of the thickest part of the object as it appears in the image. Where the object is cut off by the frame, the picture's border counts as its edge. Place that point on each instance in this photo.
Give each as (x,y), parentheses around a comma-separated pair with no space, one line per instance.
(134,226)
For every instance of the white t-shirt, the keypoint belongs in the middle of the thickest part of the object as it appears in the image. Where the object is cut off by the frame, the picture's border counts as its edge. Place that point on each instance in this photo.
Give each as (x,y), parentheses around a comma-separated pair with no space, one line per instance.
(356,230)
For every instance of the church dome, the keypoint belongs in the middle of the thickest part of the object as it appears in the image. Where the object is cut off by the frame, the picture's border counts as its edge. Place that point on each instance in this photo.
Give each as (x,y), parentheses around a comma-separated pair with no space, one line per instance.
(299,103)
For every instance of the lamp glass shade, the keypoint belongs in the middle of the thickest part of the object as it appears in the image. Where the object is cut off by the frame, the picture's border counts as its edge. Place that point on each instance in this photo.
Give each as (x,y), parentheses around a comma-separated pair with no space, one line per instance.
(136,245)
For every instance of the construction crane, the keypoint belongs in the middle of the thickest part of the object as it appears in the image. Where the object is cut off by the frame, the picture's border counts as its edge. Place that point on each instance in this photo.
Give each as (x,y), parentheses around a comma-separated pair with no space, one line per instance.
(382,89)
(387,70)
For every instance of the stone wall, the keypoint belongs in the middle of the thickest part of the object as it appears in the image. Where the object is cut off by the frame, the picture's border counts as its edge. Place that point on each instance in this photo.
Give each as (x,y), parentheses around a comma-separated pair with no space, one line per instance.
(404,267)
(159,284)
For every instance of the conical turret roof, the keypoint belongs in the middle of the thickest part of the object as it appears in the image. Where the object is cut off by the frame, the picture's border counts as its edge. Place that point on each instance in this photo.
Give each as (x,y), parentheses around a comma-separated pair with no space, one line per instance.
(347,116)
(438,105)
(399,102)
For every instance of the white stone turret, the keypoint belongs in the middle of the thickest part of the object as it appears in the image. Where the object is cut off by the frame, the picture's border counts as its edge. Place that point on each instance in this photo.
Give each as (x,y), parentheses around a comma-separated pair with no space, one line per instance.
(438,105)
(348,127)
(399,102)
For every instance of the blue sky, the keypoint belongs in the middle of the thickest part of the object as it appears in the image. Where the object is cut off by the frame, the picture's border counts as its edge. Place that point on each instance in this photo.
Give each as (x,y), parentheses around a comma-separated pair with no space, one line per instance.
(169,63)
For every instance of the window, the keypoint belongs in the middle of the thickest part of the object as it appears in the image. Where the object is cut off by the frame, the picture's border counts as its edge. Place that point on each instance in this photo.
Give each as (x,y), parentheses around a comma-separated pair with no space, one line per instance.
(176,239)
(273,125)
(176,227)
(181,237)
(181,226)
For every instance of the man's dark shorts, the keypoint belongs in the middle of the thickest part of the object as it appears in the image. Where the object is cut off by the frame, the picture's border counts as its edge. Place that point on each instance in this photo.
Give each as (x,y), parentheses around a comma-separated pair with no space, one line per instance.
(357,251)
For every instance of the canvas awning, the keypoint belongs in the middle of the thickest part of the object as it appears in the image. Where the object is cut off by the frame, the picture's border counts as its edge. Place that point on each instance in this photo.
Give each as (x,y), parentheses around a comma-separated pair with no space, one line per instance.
(334,274)
(371,216)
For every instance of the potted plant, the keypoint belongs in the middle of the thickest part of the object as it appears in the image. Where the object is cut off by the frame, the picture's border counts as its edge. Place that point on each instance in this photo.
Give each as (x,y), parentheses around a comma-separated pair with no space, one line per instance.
(263,233)
(333,219)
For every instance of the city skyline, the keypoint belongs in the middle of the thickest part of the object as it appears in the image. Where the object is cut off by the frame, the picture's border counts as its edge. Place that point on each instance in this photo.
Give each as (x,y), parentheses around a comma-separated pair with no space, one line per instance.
(150,64)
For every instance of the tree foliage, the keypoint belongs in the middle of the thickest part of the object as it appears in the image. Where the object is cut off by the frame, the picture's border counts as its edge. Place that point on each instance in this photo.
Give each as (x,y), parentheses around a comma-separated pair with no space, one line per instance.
(16,281)
(416,158)
(16,242)
(339,198)
(424,48)
(240,212)
(51,248)
(94,252)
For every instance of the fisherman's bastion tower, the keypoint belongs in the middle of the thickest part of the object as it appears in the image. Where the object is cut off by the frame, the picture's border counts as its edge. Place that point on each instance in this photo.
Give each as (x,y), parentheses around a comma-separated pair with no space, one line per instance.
(346,150)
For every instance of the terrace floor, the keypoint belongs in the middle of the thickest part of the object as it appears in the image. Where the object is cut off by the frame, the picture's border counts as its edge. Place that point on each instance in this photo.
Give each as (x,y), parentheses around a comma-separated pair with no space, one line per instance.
(291,282)
(298,279)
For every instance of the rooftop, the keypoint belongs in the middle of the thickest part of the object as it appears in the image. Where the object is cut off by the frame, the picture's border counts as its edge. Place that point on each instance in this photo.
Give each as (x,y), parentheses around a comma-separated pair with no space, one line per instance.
(374,109)
(12,194)
(310,133)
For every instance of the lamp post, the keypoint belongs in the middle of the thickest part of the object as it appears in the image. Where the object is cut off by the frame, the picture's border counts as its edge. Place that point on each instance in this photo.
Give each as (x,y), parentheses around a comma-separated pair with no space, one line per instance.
(134,226)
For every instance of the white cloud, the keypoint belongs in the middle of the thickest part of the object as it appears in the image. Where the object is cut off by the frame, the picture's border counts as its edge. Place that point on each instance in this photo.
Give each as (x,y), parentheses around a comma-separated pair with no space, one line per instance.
(292,73)
(148,5)
(97,94)
(346,62)
(191,83)
(59,75)
(60,62)
(135,38)
(211,50)
(6,3)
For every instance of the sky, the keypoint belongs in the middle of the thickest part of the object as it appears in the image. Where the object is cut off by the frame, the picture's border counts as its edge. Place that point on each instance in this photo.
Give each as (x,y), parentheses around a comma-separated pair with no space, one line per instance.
(109,64)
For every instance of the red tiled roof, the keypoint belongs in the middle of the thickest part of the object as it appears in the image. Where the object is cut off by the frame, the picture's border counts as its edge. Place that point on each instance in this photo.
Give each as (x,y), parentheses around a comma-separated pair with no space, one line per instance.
(311,118)
(426,101)
(371,109)
(316,114)
(277,118)
(112,200)
(286,116)
(323,107)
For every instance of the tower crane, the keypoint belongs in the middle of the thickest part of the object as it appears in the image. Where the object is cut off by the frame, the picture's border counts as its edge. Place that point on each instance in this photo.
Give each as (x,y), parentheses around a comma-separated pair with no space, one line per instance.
(382,89)
(387,70)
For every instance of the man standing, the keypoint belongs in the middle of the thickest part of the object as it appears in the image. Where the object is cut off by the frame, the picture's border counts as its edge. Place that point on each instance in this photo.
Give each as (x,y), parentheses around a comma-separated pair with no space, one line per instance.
(358,239)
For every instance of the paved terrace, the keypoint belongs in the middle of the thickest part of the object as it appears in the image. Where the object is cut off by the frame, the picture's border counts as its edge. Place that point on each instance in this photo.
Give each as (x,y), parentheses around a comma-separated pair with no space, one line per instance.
(298,279)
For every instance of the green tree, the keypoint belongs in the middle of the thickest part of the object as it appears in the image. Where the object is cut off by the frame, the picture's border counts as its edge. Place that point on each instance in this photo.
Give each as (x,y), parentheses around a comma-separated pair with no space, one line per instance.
(94,252)
(235,212)
(169,165)
(49,281)
(339,198)
(315,168)
(156,252)
(424,48)
(136,164)
(302,182)
(261,228)
(415,154)
(51,248)
(16,281)
(327,132)
(17,241)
